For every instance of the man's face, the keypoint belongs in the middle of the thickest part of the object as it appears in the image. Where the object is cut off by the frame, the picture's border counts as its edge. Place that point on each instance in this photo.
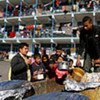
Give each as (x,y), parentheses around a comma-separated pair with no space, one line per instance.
(87,25)
(59,52)
(44,59)
(24,50)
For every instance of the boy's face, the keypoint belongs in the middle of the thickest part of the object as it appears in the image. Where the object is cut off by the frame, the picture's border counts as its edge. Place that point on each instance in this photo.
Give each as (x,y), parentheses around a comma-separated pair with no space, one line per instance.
(59,52)
(60,59)
(70,63)
(44,59)
(51,65)
(38,60)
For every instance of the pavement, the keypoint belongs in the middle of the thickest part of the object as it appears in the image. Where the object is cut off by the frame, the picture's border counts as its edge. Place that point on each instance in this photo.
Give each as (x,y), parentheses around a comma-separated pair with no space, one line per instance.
(4,67)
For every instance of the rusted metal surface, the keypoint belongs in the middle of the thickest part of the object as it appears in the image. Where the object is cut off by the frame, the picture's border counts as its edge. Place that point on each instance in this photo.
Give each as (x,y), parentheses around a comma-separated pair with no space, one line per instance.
(47,86)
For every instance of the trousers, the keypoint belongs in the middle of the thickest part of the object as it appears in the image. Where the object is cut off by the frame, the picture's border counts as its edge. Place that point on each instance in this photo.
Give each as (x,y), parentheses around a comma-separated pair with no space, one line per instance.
(87,65)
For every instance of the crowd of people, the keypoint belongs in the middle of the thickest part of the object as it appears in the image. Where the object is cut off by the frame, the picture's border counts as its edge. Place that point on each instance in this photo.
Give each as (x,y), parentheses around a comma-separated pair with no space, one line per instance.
(27,31)
(3,55)
(38,66)
(58,4)
(42,66)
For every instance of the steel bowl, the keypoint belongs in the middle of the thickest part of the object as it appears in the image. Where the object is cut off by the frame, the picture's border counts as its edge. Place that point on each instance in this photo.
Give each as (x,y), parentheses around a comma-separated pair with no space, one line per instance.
(63,65)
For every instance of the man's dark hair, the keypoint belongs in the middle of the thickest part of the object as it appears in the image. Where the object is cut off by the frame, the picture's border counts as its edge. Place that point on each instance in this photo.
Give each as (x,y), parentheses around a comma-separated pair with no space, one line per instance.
(58,47)
(86,18)
(21,45)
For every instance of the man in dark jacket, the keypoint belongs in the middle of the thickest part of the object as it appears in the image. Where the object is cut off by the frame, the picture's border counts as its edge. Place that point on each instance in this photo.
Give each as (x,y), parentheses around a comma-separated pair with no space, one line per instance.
(89,43)
(20,64)
(58,53)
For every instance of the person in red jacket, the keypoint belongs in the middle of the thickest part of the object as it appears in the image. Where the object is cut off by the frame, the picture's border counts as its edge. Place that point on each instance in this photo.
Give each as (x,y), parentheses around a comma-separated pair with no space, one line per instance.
(60,74)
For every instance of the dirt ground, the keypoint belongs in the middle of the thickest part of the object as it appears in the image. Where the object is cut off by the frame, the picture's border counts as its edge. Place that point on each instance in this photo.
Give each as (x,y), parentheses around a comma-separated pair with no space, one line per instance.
(4,67)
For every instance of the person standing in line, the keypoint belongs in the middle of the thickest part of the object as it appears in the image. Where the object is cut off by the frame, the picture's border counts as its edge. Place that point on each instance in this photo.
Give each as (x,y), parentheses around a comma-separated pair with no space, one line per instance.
(21,64)
(57,53)
(38,69)
(70,63)
(90,44)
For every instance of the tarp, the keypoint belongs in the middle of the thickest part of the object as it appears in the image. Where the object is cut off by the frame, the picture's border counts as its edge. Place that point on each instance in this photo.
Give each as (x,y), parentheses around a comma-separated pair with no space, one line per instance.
(72,85)
(15,89)
(58,96)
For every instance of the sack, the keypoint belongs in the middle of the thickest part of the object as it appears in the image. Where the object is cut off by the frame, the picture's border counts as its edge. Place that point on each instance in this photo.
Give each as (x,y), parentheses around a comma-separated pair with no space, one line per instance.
(91,77)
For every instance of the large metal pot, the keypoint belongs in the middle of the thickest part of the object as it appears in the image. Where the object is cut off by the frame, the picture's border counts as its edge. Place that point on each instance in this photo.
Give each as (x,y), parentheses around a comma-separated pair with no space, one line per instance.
(63,65)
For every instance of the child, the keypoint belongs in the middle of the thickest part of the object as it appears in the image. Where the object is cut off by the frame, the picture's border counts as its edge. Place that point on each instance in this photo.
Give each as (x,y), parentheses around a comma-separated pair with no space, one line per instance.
(60,74)
(38,69)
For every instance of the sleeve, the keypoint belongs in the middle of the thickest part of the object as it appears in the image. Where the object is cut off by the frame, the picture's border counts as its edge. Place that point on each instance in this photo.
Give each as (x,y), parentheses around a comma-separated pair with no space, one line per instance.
(44,68)
(97,42)
(98,31)
(18,64)
(81,43)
